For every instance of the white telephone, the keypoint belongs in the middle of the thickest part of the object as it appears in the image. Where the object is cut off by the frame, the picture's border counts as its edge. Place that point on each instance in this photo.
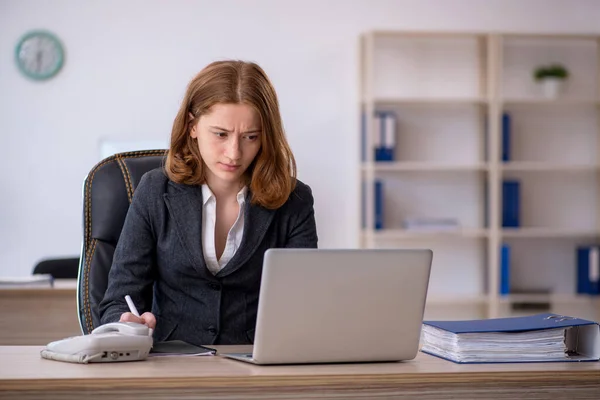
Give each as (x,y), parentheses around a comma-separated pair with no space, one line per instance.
(115,341)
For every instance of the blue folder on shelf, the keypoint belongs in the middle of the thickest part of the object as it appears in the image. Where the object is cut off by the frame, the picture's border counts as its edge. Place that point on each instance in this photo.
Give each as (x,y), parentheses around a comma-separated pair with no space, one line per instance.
(505,269)
(506,128)
(536,338)
(588,270)
(511,203)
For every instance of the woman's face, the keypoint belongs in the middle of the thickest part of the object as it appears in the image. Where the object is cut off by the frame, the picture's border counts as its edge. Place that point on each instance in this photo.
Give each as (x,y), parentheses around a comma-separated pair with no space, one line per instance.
(228,139)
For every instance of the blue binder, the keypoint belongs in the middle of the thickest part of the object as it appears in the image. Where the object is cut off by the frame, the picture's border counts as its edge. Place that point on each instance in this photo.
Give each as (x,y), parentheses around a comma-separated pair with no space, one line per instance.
(506,128)
(505,269)
(511,204)
(379,205)
(385,136)
(384,139)
(583,343)
(588,273)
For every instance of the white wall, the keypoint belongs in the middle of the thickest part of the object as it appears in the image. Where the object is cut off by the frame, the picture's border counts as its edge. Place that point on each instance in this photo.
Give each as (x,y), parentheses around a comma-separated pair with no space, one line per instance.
(127,65)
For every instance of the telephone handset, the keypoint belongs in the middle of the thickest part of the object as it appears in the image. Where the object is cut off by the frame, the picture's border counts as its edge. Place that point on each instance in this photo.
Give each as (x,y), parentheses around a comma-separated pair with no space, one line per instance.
(125,328)
(112,342)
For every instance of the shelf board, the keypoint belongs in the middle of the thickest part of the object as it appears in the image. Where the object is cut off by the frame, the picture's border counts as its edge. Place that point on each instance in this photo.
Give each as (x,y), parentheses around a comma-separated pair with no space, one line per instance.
(553,36)
(424,101)
(417,34)
(454,300)
(422,166)
(516,166)
(534,101)
(548,298)
(513,166)
(398,234)
(480,233)
(547,233)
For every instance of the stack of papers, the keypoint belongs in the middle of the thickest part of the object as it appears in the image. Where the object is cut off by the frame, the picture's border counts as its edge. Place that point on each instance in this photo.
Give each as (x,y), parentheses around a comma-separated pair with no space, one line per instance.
(496,347)
(27,281)
(537,338)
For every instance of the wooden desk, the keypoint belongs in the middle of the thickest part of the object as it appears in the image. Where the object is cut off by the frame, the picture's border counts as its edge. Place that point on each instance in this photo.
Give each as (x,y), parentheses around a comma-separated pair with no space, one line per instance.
(38,315)
(23,374)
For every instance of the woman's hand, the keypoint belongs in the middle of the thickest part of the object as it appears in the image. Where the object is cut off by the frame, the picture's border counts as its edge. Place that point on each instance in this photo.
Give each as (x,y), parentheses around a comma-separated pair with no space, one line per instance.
(146,318)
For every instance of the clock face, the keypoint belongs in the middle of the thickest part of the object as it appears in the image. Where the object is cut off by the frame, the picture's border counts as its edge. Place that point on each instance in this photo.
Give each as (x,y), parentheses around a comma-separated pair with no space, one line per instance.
(39,55)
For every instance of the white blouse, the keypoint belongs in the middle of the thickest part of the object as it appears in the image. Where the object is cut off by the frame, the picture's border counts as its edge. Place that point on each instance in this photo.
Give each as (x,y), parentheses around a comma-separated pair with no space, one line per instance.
(234,237)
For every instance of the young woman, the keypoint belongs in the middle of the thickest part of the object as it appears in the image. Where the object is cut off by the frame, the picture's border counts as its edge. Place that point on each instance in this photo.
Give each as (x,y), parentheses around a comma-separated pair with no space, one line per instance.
(191,250)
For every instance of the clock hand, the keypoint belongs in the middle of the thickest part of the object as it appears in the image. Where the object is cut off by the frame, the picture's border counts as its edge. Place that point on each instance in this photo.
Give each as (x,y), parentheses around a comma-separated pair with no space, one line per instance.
(38,58)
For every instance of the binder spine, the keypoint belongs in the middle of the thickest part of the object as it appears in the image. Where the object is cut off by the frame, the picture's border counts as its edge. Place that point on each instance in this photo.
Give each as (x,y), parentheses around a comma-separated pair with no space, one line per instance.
(385,136)
(588,270)
(506,132)
(390,136)
(504,269)
(379,137)
(510,204)
(379,204)
(593,272)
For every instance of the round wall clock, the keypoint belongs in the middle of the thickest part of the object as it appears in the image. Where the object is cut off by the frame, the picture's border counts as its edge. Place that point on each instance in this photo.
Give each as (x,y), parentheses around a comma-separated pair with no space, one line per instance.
(39,55)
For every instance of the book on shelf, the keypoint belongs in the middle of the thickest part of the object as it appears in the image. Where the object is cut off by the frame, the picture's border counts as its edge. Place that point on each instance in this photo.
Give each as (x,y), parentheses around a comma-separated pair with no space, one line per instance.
(588,270)
(384,136)
(37,280)
(378,204)
(430,224)
(543,337)
(504,269)
(511,203)
(506,133)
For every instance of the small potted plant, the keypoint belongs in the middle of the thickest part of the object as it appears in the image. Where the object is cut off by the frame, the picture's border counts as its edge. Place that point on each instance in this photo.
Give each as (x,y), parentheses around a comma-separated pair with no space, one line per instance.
(551,78)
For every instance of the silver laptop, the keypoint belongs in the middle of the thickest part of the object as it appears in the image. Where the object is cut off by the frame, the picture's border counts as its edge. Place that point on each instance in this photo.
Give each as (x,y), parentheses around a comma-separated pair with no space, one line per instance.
(334,306)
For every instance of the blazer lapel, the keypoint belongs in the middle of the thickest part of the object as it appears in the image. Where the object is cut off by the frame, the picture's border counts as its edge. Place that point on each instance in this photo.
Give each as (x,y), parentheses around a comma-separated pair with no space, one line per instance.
(257,220)
(185,206)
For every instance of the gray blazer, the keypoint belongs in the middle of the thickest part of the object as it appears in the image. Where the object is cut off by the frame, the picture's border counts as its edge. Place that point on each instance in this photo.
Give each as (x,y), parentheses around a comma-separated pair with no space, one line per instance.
(159,262)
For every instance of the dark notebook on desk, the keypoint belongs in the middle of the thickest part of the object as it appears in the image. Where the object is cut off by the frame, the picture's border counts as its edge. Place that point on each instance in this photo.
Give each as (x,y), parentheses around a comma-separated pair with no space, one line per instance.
(535,338)
(180,348)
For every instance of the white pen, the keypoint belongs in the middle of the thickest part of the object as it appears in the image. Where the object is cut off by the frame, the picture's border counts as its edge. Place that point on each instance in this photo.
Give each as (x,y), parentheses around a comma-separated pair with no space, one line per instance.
(132,308)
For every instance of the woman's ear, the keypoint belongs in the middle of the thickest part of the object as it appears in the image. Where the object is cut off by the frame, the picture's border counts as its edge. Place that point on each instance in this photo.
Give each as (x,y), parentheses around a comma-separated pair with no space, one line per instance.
(194,126)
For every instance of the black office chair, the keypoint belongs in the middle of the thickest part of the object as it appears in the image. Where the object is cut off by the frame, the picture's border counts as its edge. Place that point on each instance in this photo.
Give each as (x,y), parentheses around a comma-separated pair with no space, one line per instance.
(108,190)
(59,268)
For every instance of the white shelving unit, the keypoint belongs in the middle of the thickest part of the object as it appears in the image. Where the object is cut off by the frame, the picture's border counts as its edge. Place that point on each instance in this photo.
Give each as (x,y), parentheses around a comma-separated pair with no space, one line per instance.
(448,92)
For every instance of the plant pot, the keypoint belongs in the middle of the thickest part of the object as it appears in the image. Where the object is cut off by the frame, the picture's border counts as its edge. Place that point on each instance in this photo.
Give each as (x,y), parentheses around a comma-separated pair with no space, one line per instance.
(552,87)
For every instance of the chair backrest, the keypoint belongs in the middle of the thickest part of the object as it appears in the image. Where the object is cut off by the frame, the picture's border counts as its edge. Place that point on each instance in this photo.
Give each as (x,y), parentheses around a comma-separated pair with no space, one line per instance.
(59,268)
(107,193)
